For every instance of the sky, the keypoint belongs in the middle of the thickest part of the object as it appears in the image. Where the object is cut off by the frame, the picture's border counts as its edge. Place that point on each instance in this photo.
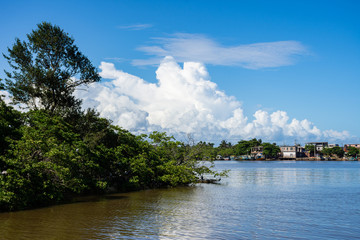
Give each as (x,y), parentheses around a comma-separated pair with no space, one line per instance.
(282,71)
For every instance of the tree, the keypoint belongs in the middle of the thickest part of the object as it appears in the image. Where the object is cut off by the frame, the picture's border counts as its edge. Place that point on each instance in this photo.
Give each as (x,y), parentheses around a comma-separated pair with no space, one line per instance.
(243,147)
(48,161)
(225,148)
(338,151)
(270,150)
(178,163)
(352,151)
(327,152)
(209,152)
(10,122)
(310,148)
(225,144)
(46,70)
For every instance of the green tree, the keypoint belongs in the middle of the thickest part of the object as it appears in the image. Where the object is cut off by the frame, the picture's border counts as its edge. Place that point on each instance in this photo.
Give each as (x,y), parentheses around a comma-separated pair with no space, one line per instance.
(54,159)
(225,152)
(327,152)
(48,161)
(243,147)
(55,150)
(224,149)
(310,148)
(270,150)
(46,70)
(208,150)
(179,164)
(10,122)
(338,151)
(225,144)
(352,151)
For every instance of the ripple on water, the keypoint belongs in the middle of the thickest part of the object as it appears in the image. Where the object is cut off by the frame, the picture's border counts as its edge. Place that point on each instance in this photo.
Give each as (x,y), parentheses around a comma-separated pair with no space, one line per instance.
(260,200)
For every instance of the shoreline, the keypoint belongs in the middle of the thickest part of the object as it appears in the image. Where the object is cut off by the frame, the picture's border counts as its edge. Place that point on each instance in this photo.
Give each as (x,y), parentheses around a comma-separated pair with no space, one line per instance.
(296,159)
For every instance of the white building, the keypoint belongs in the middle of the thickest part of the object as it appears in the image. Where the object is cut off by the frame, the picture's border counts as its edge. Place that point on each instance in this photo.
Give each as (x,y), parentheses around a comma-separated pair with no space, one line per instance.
(318,145)
(292,152)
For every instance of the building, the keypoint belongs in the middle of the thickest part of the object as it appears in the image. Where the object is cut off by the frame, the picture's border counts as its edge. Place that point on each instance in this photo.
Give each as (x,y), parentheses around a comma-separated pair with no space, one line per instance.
(346,146)
(292,152)
(219,157)
(257,153)
(331,145)
(256,150)
(319,146)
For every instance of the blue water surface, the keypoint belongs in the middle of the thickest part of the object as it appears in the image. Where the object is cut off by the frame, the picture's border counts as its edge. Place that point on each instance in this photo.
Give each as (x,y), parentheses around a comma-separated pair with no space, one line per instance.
(289,200)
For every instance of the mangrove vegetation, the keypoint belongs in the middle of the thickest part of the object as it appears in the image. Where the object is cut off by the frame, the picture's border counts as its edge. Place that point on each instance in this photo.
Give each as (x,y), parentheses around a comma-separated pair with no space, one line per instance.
(54,150)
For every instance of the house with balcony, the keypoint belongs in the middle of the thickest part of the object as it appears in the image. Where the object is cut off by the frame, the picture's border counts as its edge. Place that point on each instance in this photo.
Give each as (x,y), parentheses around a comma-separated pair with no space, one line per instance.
(257,153)
(292,152)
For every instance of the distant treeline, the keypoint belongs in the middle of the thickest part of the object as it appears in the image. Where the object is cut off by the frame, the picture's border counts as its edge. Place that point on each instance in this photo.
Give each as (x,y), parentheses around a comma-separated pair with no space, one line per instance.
(243,147)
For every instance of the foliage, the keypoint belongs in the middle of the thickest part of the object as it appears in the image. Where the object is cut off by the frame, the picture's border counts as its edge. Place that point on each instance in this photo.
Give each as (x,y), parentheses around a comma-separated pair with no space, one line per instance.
(310,148)
(243,147)
(338,151)
(182,165)
(46,70)
(54,160)
(207,149)
(270,150)
(38,164)
(225,152)
(352,151)
(10,121)
(327,151)
(225,144)
(56,151)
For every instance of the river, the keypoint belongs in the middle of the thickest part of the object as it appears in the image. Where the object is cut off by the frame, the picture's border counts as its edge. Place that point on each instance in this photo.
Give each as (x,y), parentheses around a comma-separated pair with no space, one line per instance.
(259,200)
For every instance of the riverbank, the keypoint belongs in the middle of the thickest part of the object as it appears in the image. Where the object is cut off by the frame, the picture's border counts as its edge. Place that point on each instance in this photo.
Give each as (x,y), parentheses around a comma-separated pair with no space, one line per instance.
(53,157)
(301,159)
(288,199)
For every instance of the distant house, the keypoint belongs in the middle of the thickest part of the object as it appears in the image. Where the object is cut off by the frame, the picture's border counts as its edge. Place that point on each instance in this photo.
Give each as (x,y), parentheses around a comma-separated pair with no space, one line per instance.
(257,153)
(331,145)
(318,145)
(219,157)
(292,152)
(346,146)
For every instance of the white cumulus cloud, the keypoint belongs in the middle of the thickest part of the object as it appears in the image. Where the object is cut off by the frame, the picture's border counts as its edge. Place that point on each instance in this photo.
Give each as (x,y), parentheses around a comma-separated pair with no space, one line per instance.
(183,101)
(6,97)
(198,48)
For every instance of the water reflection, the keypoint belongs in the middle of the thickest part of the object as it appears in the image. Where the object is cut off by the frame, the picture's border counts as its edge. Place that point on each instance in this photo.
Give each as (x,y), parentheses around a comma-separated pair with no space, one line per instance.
(259,200)
(294,176)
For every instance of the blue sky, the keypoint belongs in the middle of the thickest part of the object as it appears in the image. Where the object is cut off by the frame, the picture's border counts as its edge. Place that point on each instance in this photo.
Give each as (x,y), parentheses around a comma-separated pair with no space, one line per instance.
(301,58)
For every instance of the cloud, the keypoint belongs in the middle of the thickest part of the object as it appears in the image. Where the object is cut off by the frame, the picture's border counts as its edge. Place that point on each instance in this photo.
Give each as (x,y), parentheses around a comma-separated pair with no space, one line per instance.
(198,48)
(116,59)
(6,97)
(184,101)
(135,27)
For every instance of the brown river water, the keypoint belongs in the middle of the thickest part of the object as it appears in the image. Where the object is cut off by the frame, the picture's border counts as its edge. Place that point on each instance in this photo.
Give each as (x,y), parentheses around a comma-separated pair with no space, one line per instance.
(259,200)
(130,215)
